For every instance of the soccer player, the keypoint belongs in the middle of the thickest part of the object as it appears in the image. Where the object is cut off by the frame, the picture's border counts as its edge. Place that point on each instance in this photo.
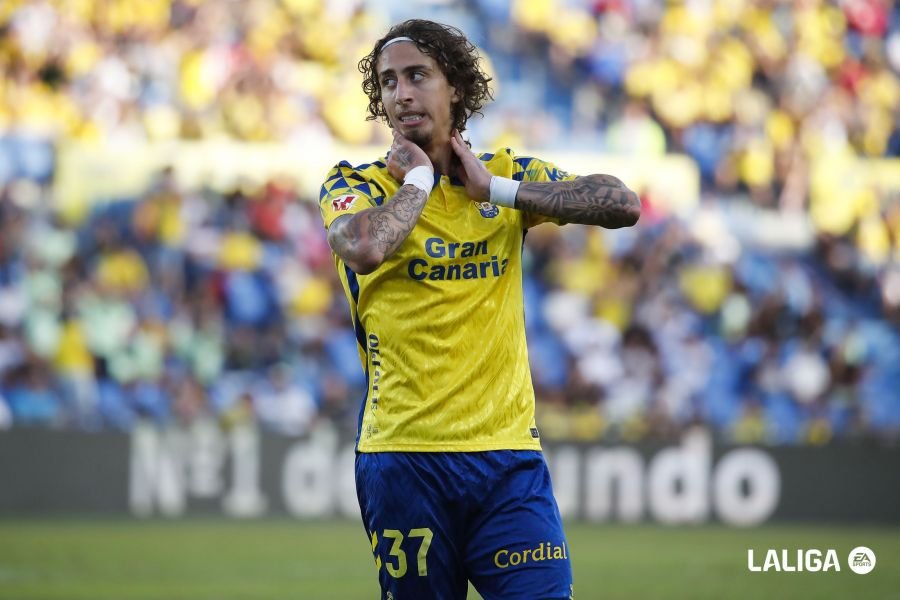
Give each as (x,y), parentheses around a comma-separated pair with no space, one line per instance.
(428,245)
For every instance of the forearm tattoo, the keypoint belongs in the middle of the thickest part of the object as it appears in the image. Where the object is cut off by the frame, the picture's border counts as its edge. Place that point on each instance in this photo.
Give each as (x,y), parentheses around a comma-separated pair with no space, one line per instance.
(591,200)
(382,228)
(390,223)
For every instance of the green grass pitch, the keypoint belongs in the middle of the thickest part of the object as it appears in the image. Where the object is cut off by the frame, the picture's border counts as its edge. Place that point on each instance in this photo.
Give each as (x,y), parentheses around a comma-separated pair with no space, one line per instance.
(77,559)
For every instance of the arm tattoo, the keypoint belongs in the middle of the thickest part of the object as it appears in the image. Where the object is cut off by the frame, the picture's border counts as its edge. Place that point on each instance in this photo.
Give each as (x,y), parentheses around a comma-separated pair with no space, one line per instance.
(376,233)
(591,200)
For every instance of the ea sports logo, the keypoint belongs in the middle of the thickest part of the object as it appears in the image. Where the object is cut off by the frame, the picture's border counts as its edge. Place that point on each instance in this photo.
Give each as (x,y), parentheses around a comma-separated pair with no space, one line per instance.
(861,560)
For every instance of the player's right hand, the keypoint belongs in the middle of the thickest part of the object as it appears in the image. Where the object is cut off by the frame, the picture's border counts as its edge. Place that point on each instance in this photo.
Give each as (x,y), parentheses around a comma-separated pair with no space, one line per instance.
(405,156)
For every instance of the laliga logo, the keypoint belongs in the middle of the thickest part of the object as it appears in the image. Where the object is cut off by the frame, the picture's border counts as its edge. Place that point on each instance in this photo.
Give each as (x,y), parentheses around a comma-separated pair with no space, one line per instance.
(861,561)
(801,560)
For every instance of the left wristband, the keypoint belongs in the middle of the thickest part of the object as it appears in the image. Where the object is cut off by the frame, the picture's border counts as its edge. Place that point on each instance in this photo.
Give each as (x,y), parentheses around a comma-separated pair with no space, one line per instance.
(503,191)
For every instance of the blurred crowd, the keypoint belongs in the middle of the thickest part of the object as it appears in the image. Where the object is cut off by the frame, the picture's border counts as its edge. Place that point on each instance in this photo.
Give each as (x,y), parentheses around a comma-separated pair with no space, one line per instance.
(172,307)
(770,313)
(643,333)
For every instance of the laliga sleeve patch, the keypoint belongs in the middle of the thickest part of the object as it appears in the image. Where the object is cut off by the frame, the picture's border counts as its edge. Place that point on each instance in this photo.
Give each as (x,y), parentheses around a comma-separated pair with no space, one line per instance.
(343,202)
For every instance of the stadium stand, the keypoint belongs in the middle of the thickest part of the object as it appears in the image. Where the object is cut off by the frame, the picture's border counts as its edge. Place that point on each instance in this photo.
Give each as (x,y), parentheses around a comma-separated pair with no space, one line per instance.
(770,312)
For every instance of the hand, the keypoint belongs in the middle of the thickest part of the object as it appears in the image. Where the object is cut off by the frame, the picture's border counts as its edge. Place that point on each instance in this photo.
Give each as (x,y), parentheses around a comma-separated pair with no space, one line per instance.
(473,173)
(405,156)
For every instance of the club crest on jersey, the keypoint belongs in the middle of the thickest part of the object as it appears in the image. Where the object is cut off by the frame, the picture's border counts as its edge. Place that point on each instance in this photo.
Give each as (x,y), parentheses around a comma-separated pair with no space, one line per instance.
(487,210)
(344,202)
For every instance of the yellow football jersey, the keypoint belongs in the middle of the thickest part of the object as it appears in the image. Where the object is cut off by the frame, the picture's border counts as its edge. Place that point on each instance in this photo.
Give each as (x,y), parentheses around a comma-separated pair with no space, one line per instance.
(440,324)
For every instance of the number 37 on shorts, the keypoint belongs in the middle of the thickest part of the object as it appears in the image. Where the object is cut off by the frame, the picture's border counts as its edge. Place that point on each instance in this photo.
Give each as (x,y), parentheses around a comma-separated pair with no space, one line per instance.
(395,561)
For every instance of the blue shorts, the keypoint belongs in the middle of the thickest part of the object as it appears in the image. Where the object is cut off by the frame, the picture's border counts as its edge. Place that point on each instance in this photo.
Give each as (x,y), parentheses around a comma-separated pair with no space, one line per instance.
(438,520)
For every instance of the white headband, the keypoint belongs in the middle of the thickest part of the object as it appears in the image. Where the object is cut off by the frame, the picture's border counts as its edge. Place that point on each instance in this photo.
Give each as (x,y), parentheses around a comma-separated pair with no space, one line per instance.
(402,38)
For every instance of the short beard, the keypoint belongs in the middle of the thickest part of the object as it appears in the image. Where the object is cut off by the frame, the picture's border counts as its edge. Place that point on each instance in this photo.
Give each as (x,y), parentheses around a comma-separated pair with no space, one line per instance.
(420,139)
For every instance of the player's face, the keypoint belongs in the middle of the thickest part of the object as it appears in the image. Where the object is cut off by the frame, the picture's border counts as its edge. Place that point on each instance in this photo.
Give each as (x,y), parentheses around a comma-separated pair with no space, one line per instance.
(416,94)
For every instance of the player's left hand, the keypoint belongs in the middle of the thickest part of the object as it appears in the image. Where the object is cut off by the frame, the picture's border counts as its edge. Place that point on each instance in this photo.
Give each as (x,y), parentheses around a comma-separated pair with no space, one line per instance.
(472,173)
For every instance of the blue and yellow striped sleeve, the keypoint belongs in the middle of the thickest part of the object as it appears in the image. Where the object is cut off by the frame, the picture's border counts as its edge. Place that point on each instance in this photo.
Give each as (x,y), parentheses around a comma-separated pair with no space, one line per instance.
(346,192)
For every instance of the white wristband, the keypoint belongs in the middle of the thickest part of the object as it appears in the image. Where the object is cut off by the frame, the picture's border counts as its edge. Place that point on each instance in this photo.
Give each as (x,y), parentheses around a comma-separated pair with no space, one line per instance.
(503,191)
(422,177)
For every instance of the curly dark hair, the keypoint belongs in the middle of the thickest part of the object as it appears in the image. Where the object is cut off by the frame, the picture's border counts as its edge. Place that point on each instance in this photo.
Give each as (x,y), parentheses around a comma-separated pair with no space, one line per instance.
(455,55)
